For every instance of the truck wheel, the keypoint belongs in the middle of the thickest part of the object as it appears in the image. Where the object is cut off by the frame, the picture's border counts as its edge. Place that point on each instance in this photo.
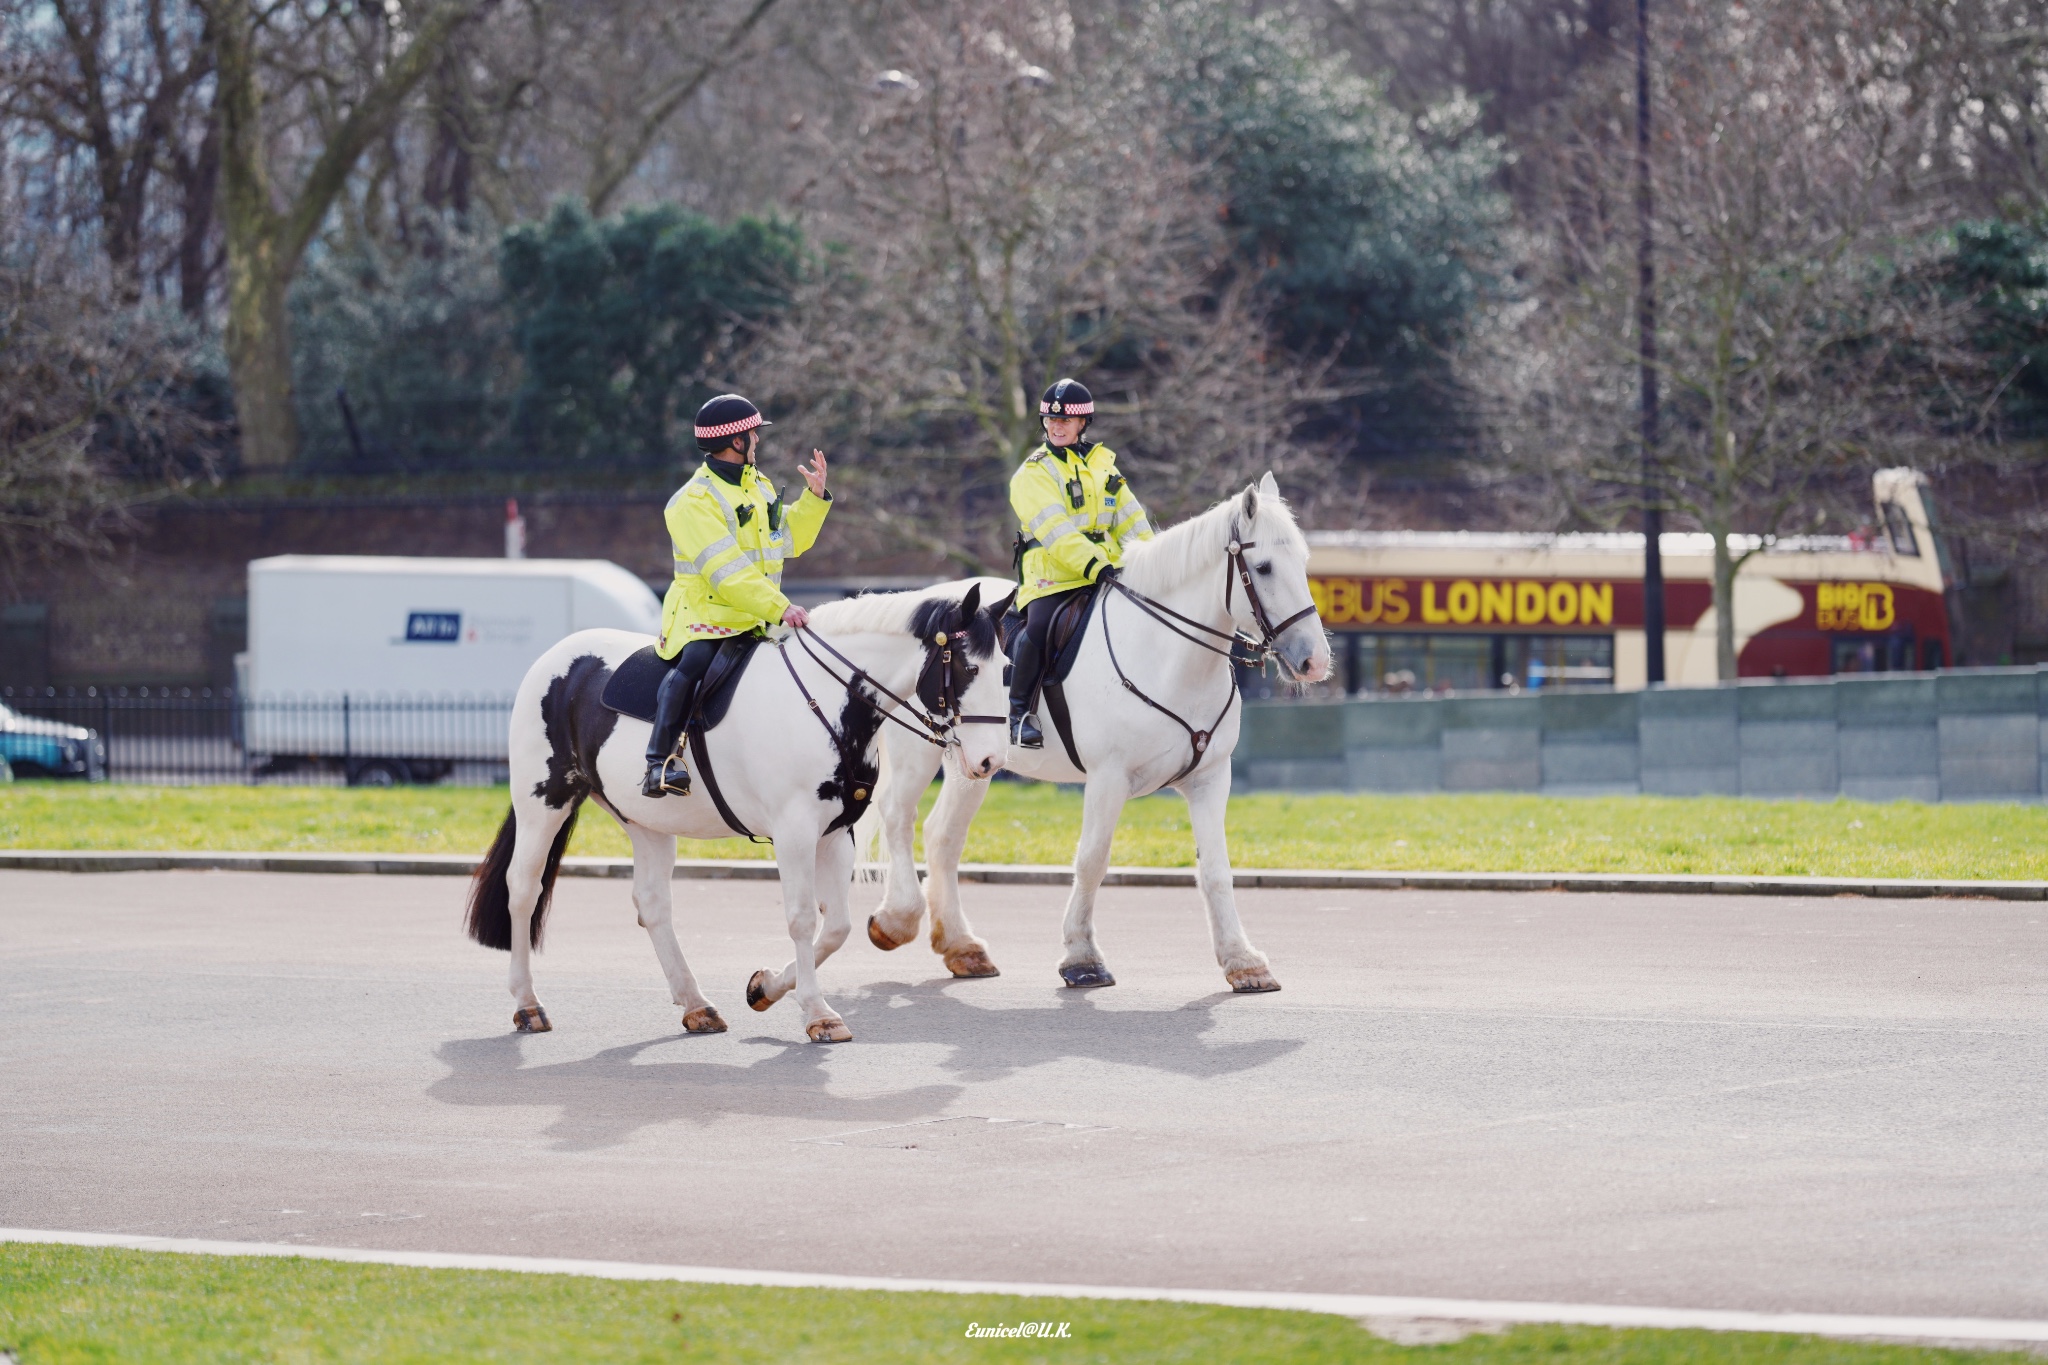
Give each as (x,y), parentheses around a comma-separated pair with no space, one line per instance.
(379,772)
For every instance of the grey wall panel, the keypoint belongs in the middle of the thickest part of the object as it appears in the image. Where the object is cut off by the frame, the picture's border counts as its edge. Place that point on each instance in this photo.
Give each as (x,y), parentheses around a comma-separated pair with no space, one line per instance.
(1725,780)
(1403,723)
(1804,700)
(1589,716)
(1988,692)
(1476,760)
(1290,774)
(1880,701)
(1789,757)
(1901,751)
(1572,767)
(1305,729)
(1891,788)
(1412,769)
(1990,756)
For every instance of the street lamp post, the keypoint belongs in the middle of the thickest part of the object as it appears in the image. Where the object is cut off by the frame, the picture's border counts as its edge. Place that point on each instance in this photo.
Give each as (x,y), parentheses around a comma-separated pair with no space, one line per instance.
(1646,336)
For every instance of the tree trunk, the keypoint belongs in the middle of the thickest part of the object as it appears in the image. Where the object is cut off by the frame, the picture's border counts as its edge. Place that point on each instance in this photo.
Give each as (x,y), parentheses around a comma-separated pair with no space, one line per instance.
(259,346)
(1724,607)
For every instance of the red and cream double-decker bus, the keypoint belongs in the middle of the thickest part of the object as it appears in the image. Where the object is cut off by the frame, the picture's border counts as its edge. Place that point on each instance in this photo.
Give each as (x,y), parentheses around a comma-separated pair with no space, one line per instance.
(1465,610)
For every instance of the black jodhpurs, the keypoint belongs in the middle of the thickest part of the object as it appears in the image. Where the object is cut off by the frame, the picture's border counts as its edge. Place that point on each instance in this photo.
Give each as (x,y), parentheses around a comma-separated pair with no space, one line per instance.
(678,691)
(1027,659)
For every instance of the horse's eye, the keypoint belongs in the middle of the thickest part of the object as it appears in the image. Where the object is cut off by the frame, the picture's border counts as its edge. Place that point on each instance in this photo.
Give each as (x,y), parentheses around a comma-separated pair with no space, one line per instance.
(1266,567)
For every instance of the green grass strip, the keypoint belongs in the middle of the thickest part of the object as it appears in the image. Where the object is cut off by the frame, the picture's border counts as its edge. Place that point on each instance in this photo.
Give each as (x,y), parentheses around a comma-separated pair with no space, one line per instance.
(76,1304)
(1032,823)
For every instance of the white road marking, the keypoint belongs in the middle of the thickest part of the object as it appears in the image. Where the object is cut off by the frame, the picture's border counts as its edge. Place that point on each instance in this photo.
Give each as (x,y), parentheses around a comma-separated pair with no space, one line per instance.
(1342,1305)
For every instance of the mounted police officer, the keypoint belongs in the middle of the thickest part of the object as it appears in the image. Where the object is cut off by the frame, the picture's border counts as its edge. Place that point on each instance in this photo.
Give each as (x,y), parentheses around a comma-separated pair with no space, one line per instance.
(731,534)
(1076,514)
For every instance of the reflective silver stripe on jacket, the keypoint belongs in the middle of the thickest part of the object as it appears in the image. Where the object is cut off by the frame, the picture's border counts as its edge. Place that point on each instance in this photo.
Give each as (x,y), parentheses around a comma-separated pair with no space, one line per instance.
(1045,518)
(768,558)
(1132,514)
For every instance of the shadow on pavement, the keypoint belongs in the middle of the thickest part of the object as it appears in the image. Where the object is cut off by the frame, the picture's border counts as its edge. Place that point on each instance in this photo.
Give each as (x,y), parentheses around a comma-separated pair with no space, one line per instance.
(603,1099)
(990,1043)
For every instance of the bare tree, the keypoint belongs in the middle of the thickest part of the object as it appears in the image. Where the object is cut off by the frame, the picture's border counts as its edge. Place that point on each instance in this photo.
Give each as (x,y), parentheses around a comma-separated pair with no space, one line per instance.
(281,176)
(120,85)
(91,415)
(1013,213)
(1803,329)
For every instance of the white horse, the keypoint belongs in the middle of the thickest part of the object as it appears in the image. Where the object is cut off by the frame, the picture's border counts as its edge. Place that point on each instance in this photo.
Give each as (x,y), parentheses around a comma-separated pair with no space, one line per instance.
(1153,703)
(794,759)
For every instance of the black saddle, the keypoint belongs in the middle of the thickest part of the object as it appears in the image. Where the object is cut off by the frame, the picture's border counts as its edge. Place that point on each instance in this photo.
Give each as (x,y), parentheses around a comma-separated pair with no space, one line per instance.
(634,683)
(1063,635)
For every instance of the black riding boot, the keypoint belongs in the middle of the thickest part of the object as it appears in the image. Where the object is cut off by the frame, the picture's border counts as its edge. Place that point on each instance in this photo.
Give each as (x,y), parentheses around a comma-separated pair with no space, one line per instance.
(1024,731)
(665,770)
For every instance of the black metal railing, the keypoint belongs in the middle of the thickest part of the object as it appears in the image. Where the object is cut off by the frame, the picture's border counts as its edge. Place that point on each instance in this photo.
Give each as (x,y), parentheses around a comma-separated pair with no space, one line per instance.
(181,736)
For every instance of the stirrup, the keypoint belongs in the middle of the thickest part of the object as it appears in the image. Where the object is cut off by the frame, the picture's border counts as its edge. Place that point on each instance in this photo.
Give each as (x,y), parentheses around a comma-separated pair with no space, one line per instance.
(672,775)
(1024,732)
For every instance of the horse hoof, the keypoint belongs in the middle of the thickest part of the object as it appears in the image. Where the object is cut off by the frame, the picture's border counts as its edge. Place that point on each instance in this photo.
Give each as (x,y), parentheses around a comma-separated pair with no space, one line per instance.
(533,1020)
(970,962)
(757,995)
(1084,975)
(829,1031)
(880,939)
(703,1020)
(1251,980)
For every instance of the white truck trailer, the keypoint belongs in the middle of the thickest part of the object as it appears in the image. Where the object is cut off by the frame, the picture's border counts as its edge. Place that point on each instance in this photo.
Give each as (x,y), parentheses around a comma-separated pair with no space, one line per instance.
(393,669)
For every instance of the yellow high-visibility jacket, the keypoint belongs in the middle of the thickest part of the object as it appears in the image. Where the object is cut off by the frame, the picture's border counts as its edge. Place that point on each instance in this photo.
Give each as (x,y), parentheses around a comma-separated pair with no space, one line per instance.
(730,542)
(1077,514)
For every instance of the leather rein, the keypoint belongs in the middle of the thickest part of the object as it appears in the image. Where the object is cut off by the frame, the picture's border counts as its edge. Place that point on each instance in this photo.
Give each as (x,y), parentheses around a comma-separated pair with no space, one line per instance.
(945,654)
(1236,569)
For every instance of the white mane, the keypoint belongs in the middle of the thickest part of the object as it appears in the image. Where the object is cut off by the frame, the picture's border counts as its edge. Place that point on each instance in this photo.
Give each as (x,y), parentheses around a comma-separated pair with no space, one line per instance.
(1196,546)
(871,613)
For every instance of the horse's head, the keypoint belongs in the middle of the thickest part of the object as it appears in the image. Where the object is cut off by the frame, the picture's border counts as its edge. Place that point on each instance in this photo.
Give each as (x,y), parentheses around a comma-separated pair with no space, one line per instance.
(956,685)
(1276,606)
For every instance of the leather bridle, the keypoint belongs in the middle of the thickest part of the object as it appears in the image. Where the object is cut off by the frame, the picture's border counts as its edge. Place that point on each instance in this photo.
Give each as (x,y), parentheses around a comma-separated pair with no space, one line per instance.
(1236,569)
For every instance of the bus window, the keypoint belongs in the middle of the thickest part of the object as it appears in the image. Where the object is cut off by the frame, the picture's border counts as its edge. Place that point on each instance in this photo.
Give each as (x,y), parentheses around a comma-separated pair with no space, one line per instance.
(1900,527)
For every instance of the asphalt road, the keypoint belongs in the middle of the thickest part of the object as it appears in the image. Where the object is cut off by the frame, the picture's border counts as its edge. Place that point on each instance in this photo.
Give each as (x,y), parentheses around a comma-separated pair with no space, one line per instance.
(1831,1105)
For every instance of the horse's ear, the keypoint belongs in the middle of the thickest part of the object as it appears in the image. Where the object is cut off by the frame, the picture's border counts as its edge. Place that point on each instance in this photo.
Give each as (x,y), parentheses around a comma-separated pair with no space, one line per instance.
(1001,608)
(1269,487)
(1248,505)
(969,605)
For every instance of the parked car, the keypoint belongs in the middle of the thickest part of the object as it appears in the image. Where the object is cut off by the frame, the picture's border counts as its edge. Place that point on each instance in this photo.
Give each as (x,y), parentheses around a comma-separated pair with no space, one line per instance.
(35,747)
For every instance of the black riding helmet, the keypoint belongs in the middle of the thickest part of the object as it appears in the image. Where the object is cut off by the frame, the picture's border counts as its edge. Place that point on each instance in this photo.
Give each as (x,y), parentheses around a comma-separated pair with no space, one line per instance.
(1068,398)
(725,417)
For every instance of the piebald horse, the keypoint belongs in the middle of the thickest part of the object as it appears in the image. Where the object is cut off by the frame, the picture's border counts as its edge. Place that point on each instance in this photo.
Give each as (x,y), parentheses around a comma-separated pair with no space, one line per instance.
(1153,703)
(794,759)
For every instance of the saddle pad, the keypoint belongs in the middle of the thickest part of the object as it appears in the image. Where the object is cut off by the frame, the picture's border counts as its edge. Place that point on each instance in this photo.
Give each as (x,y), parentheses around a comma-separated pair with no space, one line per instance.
(632,687)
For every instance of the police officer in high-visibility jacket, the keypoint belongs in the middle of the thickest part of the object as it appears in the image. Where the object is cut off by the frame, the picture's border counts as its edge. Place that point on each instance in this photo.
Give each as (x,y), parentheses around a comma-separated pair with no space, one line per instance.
(731,535)
(1076,514)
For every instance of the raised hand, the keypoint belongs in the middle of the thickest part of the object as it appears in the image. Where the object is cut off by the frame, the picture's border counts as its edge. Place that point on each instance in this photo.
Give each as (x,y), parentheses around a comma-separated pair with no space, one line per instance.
(814,472)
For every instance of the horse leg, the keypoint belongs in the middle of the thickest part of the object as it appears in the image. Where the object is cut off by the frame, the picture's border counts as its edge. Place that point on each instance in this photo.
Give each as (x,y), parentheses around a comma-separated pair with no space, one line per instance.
(945,836)
(538,824)
(1244,966)
(799,874)
(1101,803)
(835,893)
(654,858)
(910,771)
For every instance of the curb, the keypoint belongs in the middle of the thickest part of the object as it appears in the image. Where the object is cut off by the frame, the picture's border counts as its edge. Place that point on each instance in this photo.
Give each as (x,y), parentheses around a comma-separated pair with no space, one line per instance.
(1027,874)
